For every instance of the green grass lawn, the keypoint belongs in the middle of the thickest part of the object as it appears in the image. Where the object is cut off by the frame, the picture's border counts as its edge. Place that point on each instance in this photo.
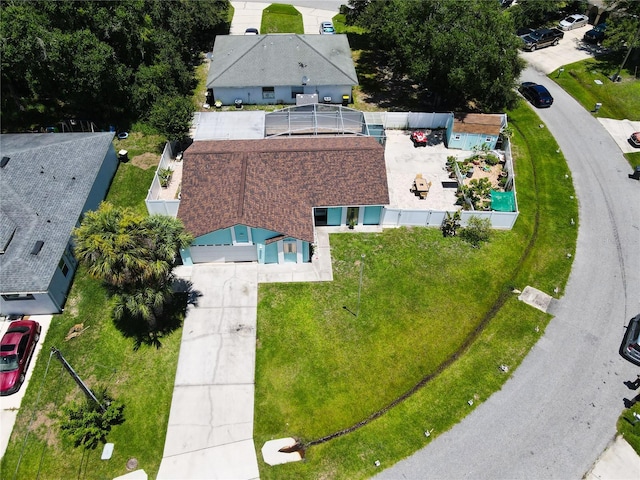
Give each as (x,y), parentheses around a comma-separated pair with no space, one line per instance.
(633,158)
(620,100)
(281,18)
(434,311)
(142,379)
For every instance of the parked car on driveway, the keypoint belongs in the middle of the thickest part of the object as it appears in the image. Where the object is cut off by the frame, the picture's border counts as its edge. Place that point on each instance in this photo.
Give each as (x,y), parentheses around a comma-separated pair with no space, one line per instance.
(573,21)
(538,95)
(634,139)
(326,28)
(596,34)
(542,37)
(251,31)
(16,349)
(630,348)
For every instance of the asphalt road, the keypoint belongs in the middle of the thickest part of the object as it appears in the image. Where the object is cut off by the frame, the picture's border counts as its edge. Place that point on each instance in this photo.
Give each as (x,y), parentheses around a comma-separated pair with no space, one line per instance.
(558,412)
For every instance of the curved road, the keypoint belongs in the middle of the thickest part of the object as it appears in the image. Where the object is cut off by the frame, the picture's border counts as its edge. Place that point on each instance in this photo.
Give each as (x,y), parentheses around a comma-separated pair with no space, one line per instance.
(558,412)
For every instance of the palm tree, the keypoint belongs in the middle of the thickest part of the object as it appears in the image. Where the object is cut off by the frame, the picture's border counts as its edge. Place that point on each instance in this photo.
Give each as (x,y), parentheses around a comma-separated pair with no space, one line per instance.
(108,242)
(134,255)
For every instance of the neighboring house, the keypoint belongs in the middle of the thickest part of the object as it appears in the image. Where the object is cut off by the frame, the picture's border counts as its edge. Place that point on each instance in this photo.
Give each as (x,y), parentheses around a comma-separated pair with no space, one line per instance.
(259,200)
(466,131)
(279,68)
(47,181)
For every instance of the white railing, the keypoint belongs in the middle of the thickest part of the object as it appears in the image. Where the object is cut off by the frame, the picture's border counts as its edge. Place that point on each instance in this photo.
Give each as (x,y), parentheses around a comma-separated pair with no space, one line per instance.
(154,204)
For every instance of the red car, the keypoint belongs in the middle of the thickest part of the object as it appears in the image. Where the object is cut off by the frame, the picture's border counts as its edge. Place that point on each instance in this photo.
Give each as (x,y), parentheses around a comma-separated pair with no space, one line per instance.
(16,350)
(634,139)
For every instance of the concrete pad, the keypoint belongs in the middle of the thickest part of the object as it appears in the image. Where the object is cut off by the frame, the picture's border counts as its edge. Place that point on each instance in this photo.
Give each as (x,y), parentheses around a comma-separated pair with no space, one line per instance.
(135,475)
(535,298)
(209,416)
(272,455)
(404,161)
(570,49)
(246,15)
(618,461)
(620,131)
(233,461)
(313,17)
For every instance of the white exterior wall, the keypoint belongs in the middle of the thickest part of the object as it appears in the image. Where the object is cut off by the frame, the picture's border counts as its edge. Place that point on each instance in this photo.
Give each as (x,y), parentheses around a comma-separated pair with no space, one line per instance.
(282,95)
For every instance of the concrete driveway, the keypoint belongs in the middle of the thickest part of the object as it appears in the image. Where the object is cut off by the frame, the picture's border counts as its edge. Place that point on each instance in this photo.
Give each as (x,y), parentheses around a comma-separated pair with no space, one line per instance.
(9,406)
(249,15)
(210,431)
(570,49)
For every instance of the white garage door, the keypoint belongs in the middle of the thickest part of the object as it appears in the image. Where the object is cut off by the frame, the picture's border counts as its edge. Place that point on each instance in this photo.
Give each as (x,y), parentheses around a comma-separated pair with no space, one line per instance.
(227,253)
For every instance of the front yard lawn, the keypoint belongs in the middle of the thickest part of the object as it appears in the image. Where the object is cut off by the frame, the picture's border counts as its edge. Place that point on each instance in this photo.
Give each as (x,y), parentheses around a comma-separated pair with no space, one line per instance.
(281,18)
(434,311)
(620,100)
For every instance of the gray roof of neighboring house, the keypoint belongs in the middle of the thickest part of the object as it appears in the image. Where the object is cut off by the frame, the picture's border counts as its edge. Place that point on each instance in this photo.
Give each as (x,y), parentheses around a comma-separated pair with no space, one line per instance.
(43,189)
(281,59)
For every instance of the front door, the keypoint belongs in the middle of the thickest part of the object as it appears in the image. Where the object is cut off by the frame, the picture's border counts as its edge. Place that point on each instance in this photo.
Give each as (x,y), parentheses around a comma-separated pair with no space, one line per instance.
(321,215)
(352,215)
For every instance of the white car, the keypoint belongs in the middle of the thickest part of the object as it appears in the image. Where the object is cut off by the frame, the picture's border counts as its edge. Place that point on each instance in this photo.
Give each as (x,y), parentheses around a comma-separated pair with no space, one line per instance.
(326,28)
(573,21)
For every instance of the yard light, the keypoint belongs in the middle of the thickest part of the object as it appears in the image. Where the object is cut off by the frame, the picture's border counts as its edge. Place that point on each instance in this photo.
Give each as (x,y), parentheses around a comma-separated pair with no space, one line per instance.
(560,70)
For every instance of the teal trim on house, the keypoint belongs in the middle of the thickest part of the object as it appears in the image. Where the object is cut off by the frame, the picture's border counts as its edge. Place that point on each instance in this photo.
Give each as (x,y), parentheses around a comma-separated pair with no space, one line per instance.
(306,254)
(185,254)
(271,253)
(219,237)
(372,215)
(242,233)
(261,235)
(334,216)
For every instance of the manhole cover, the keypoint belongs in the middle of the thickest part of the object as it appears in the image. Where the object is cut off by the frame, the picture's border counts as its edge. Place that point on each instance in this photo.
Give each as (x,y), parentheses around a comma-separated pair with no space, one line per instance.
(132,464)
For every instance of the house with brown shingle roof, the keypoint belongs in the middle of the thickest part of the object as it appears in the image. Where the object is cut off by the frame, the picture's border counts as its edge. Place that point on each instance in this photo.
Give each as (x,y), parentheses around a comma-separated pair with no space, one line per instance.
(260,200)
(467,131)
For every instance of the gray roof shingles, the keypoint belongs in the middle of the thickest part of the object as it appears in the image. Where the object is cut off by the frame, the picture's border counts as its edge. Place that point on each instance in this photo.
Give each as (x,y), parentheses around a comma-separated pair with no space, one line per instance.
(43,189)
(281,60)
(275,183)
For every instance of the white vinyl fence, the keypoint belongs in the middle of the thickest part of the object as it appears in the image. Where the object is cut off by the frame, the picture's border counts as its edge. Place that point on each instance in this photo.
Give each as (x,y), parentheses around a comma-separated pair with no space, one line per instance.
(155,205)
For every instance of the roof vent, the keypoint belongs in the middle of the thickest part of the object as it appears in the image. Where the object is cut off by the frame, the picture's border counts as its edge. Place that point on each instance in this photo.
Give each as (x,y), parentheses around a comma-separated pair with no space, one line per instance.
(37,247)
(4,161)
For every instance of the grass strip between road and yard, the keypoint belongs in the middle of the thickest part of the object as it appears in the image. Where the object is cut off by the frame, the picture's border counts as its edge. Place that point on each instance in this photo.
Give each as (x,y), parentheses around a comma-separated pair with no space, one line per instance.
(321,370)
(142,379)
(588,82)
(281,18)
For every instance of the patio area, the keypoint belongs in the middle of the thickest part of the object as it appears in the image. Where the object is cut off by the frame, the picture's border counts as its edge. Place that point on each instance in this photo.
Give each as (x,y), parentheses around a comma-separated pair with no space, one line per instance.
(172,191)
(404,162)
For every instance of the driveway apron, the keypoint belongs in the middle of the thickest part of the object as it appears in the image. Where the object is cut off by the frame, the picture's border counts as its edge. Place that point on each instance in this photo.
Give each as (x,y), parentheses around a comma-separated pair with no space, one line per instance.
(210,431)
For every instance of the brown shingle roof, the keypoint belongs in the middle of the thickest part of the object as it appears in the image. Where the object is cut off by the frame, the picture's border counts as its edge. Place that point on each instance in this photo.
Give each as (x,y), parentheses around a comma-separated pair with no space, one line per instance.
(275,183)
(489,124)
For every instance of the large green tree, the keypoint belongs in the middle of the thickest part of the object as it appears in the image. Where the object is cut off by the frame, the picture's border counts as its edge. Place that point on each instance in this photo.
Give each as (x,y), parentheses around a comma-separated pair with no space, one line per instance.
(465,50)
(96,60)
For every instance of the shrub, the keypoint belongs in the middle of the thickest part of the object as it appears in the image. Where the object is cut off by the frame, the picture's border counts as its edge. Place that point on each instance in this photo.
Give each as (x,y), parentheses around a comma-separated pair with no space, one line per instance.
(478,230)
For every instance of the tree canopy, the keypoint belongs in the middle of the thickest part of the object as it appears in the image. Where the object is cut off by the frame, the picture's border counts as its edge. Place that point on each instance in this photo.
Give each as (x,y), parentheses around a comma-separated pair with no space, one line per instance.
(105,61)
(134,255)
(464,50)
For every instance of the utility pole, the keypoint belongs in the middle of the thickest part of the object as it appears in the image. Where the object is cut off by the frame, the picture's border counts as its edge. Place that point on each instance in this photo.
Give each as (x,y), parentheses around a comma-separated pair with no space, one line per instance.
(87,391)
(360,284)
(635,38)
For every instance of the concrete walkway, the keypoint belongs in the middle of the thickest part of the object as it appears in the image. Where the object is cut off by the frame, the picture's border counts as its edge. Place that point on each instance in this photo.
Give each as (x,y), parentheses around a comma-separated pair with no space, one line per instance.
(210,431)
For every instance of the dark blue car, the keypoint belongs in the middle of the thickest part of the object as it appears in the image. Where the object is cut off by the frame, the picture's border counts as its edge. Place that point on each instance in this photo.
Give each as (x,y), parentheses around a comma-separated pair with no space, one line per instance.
(538,95)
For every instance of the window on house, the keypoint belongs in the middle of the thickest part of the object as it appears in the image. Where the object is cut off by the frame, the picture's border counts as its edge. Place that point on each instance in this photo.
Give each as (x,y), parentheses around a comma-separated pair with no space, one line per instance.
(268,92)
(63,267)
(290,247)
(17,296)
(296,91)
